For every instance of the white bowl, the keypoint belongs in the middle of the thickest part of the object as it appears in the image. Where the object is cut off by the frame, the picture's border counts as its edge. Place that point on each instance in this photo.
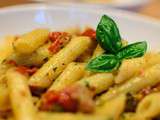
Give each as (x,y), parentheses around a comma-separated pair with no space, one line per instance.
(124,4)
(133,27)
(128,3)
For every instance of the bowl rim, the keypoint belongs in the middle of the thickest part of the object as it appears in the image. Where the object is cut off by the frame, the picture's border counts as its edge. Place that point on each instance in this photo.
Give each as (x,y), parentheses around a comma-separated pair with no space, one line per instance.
(114,4)
(97,10)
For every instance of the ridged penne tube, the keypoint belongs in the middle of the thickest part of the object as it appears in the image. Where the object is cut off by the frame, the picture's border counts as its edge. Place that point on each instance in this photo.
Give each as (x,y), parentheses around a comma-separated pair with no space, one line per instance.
(41,55)
(29,42)
(132,116)
(70,116)
(73,72)
(127,116)
(73,31)
(10,118)
(152,59)
(3,69)
(6,48)
(4,98)
(20,96)
(37,58)
(99,82)
(58,62)
(124,43)
(98,51)
(132,67)
(112,108)
(149,107)
(129,68)
(4,93)
(150,77)
(85,57)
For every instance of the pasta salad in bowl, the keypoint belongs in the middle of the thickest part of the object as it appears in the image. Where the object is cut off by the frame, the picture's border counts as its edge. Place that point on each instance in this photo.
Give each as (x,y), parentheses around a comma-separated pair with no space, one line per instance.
(78,74)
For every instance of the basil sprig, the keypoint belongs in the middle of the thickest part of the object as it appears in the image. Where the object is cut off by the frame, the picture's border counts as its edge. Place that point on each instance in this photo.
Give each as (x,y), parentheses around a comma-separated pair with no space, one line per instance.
(108,35)
(104,63)
(133,50)
(110,40)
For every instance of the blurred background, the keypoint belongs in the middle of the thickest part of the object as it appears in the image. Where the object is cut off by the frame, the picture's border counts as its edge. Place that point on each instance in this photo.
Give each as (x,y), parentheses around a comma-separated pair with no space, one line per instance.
(146,7)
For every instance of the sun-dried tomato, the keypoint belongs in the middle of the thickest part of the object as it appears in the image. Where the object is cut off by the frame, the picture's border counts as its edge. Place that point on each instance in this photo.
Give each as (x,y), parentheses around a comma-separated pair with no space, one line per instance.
(90,33)
(12,62)
(26,70)
(67,102)
(48,99)
(54,36)
(59,40)
(72,99)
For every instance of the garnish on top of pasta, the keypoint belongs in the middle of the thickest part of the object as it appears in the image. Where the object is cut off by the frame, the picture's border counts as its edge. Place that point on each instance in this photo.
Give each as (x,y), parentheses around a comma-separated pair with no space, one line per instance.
(78,75)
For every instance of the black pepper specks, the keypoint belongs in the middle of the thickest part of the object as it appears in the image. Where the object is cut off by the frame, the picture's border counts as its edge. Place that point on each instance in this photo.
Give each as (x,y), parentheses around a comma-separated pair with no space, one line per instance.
(54,69)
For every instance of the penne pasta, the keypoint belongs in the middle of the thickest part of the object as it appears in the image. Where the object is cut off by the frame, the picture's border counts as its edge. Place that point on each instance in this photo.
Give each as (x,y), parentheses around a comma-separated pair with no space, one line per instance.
(3,69)
(73,31)
(98,82)
(129,68)
(150,77)
(98,51)
(47,75)
(112,108)
(4,98)
(152,59)
(19,93)
(28,43)
(73,72)
(124,43)
(87,54)
(6,48)
(70,116)
(4,93)
(132,116)
(149,107)
(133,67)
(40,56)
(51,69)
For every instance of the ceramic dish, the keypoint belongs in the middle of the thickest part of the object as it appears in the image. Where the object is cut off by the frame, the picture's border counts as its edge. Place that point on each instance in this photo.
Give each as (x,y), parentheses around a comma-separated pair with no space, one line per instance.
(20,19)
(124,4)
(74,71)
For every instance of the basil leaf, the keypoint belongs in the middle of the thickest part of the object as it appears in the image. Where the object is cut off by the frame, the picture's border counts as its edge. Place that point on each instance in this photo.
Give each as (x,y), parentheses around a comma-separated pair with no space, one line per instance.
(103,63)
(108,35)
(133,50)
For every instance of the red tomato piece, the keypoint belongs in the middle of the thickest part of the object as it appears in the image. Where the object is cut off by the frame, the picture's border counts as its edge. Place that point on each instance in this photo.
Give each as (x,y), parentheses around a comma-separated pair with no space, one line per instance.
(26,70)
(54,36)
(72,99)
(59,39)
(48,99)
(90,33)
(12,62)
(67,102)
(54,48)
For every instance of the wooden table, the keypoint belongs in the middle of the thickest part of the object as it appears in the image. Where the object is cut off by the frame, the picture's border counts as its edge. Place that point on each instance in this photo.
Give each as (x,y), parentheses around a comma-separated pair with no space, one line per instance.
(152,9)
(4,3)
